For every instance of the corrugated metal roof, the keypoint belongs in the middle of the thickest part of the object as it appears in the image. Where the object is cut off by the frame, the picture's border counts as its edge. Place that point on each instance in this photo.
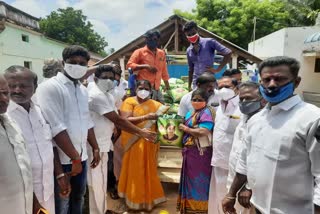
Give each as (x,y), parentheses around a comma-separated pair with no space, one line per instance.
(313,38)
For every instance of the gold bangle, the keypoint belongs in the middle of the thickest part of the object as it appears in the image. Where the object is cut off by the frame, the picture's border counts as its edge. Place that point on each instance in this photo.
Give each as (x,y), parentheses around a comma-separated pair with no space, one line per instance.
(41,210)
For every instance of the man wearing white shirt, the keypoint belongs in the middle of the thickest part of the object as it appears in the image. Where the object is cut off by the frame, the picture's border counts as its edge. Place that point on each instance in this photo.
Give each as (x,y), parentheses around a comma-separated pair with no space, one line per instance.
(35,130)
(115,155)
(251,102)
(280,160)
(99,104)
(227,119)
(64,103)
(121,85)
(105,117)
(207,82)
(16,195)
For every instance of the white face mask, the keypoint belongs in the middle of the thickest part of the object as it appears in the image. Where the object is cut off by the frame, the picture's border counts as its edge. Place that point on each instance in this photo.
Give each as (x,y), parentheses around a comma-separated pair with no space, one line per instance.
(143,94)
(105,85)
(226,94)
(75,71)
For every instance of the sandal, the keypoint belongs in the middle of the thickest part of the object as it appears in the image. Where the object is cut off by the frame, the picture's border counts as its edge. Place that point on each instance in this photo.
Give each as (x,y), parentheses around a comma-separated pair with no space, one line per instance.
(110,212)
(114,194)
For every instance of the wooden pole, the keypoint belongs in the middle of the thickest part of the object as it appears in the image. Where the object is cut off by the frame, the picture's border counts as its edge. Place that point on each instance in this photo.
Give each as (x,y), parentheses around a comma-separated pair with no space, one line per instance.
(176,37)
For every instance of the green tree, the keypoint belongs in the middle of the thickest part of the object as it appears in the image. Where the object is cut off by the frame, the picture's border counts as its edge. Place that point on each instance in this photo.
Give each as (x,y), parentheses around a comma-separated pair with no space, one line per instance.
(71,26)
(233,19)
(303,12)
(111,51)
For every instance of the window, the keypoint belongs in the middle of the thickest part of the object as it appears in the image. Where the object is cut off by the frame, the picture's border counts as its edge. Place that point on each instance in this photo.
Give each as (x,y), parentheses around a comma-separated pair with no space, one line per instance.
(27,64)
(317,66)
(25,38)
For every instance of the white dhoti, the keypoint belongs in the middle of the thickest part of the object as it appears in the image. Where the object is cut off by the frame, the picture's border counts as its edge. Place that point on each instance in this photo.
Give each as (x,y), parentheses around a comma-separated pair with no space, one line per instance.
(117,158)
(97,184)
(49,204)
(218,189)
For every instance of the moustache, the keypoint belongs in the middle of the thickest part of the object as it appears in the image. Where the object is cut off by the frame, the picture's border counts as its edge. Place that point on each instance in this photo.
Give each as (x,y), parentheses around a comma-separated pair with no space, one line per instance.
(17,95)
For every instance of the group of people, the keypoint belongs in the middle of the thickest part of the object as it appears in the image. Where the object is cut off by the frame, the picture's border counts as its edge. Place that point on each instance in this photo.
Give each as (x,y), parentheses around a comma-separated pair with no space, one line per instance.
(247,147)
(264,154)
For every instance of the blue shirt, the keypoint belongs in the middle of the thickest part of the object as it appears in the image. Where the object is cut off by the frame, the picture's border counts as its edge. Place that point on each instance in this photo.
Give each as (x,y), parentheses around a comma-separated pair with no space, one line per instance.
(205,57)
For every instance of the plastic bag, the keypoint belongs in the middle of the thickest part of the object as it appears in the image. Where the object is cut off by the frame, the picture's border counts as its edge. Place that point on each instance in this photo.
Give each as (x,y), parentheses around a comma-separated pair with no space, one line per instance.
(168,130)
(173,109)
(175,81)
(178,93)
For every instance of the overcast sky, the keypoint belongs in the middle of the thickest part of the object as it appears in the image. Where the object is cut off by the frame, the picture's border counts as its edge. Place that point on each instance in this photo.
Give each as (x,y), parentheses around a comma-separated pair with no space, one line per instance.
(119,21)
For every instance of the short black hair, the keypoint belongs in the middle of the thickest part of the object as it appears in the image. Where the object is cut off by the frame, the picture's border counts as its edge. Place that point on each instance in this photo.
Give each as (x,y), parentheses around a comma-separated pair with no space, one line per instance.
(140,82)
(75,50)
(250,84)
(15,68)
(233,80)
(206,77)
(189,25)
(230,72)
(151,33)
(292,63)
(103,68)
(116,64)
(203,93)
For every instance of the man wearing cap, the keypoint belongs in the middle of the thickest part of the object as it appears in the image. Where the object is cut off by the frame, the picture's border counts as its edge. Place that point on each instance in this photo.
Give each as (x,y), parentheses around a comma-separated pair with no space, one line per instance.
(150,64)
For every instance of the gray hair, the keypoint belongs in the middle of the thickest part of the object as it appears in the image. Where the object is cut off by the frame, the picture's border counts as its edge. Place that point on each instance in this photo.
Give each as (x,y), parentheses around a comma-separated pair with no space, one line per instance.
(52,67)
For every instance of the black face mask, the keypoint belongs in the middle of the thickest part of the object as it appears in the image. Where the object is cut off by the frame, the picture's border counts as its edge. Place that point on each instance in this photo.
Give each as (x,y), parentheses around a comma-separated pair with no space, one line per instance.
(250,107)
(152,44)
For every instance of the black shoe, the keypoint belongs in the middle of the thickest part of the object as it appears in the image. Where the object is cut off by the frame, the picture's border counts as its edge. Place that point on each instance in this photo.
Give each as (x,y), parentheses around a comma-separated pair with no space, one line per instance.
(114,194)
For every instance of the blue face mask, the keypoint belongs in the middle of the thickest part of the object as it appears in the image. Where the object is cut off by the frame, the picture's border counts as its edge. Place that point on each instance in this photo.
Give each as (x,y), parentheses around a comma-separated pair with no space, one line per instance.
(278,94)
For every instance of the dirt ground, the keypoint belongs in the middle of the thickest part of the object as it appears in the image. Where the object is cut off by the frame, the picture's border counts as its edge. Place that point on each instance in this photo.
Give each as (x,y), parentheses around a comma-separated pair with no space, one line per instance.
(169,207)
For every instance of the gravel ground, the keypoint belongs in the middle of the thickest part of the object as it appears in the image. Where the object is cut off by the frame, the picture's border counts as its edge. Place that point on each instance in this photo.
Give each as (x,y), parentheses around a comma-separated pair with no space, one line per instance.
(171,192)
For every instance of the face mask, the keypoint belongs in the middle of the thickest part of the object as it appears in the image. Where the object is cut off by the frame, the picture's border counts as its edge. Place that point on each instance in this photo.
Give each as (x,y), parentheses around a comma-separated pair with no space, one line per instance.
(249,107)
(226,94)
(193,39)
(116,83)
(198,105)
(143,94)
(278,94)
(75,71)
(152,44)
(105,85)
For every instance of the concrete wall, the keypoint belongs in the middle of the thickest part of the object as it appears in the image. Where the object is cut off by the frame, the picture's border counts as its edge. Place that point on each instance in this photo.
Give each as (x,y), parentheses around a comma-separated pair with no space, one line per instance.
(294,47)
(290,42)
(271,45)
(14,51)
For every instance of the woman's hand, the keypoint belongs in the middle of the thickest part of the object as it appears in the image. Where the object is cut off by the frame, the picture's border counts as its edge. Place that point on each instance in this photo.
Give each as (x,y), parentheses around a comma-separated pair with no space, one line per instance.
(183,127)
(152,116)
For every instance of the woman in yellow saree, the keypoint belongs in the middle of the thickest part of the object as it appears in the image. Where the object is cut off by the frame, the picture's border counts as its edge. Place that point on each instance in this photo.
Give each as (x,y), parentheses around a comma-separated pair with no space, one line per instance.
(139,183)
